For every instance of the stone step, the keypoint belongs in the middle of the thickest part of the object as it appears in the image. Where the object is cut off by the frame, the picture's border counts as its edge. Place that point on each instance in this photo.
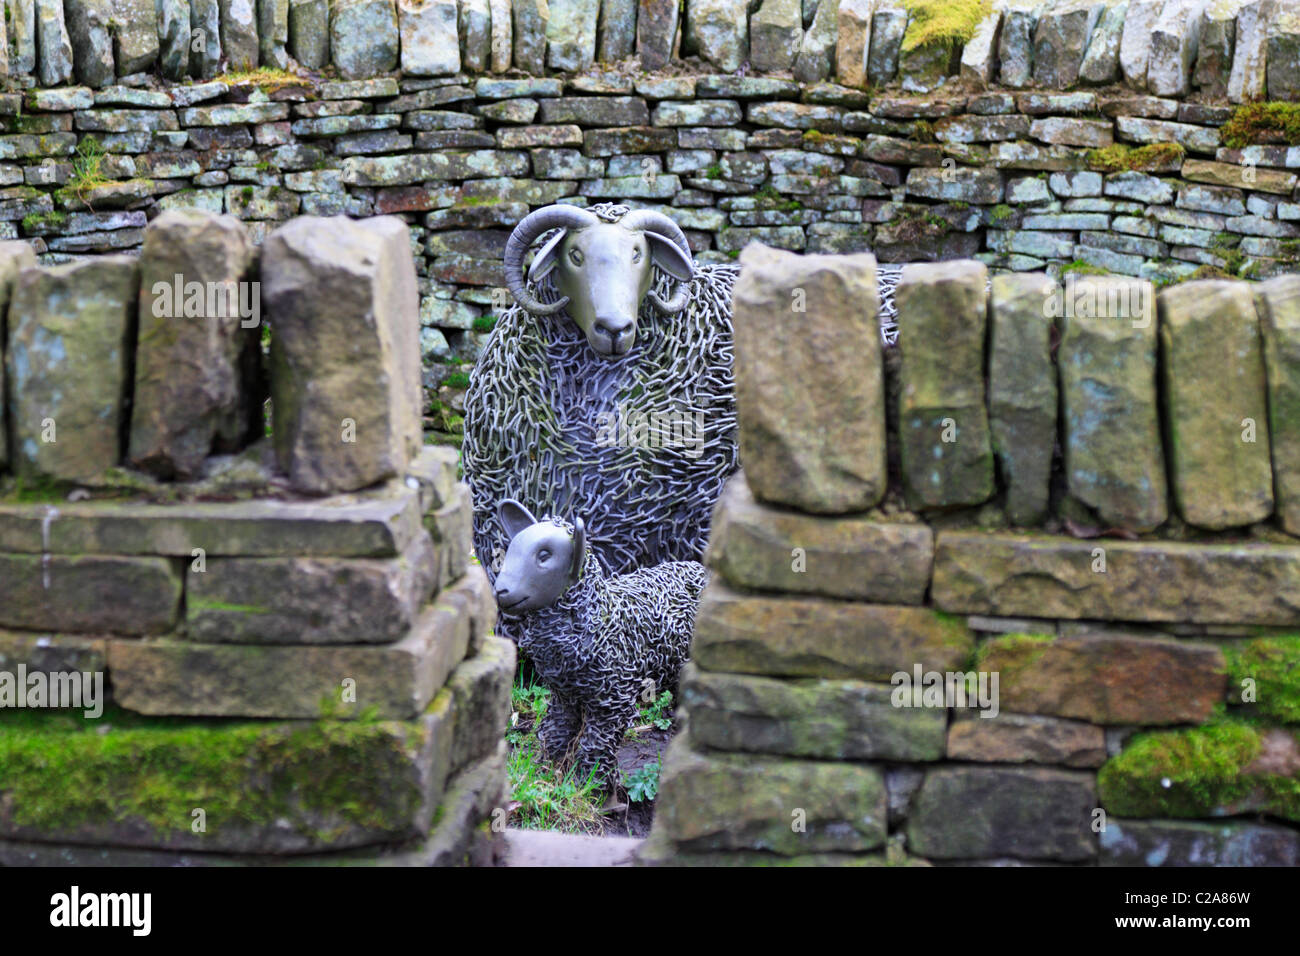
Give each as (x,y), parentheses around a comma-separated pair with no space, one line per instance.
(549,848)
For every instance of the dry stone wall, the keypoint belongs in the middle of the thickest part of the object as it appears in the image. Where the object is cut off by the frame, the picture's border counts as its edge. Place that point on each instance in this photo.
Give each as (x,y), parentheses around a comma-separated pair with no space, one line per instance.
(1078,491)
(1059,133)
(292,648)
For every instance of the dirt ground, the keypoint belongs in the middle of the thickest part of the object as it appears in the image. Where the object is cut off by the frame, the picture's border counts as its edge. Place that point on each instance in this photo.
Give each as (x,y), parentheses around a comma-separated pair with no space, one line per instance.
(635,818)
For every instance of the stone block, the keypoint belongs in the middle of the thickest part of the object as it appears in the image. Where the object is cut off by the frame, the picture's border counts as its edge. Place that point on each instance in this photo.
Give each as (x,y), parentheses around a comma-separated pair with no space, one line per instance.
(345,376)
(809,379)
(944,441)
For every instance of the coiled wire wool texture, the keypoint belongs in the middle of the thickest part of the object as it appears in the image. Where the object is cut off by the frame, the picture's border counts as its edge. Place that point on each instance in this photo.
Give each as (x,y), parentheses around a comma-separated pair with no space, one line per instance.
(563,430)
(598,645)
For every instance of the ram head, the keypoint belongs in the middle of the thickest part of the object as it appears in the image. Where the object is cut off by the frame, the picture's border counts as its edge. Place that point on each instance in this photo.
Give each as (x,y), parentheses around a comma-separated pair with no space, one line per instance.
(601,269)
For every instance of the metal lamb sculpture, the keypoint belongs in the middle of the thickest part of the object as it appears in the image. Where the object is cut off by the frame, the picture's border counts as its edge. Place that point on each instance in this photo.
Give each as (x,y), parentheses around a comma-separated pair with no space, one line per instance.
(595,640)
(607,387)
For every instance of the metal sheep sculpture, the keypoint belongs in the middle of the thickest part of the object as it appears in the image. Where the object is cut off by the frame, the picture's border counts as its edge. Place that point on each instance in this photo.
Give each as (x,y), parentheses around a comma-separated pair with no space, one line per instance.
(595,640)
(607,386)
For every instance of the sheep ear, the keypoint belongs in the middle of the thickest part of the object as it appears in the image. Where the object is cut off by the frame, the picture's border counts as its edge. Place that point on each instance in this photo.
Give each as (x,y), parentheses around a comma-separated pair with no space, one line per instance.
(668,255)
(579,548)
(546,258)
(514,516)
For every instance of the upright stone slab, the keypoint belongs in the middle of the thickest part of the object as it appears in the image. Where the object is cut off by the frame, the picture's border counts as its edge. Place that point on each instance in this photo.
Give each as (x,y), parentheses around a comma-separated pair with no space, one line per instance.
(571,34)
(853,41)
(475,35)
(1061,39)
(14,257)
(1174,43)
(309,32)
(942,421)
(239,34)
(1246,82)
(1016,44)
(92,44)
(979,55)
(364,38)
(1283,54)
(197,359)
(273,33)
(656,32)
(1113,457)
(530,18)
(888,24)
(1101,60)
(205,26)
(718,31)
(503,35)
(53,48)
(22,36)
(775,33)
(817,51)
(1022,391)
(69,357)
(809,380)
(1216,412)
(1214,54)
(617,36)
(1278,302)
(429,39)
(135,36)
(345,374)
(923,69)
(1135,41)
(174,38)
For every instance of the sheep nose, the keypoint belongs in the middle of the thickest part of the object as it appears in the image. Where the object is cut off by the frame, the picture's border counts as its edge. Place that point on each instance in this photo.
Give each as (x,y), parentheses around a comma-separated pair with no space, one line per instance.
(613,325)
(503,593)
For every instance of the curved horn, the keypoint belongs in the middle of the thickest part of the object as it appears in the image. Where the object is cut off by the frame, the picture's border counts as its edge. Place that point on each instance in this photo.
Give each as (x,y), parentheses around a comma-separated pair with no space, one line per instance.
(648,220)
(672,305)
(529,228)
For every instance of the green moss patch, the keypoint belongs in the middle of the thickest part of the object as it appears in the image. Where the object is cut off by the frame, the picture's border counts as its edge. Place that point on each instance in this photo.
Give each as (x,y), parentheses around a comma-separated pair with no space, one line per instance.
(1255,124)
(1273,663)
(1197,772)
(949,23)
(130,774)
(1144,159)
(1011,654)
(1079,267)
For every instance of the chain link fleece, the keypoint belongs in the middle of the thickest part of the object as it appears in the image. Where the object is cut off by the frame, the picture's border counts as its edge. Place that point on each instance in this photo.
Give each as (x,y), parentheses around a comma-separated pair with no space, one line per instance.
(539,396)
(597,647)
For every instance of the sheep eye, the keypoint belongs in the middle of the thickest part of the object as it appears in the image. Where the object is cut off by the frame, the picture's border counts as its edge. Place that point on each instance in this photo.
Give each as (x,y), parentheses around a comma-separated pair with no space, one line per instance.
(575,257)
(543,556)
(636,255)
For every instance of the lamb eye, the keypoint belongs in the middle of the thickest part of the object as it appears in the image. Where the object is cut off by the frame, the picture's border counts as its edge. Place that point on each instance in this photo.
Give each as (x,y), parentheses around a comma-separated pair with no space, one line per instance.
(543,556)
(636,255)
(575,257)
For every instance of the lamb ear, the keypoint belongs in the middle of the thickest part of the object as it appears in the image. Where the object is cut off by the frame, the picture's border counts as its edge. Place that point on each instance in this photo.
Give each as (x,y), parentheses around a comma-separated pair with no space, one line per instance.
(667,255)
(514,517)
(579,548)
(546,258)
